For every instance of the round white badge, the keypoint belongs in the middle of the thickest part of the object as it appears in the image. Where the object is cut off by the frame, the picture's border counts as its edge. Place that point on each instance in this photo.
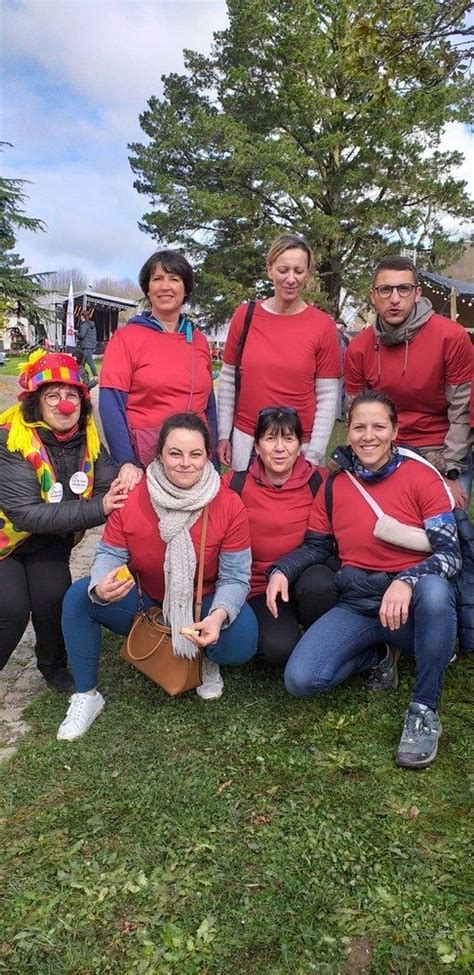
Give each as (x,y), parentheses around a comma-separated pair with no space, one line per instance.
(55,493)
(78,482)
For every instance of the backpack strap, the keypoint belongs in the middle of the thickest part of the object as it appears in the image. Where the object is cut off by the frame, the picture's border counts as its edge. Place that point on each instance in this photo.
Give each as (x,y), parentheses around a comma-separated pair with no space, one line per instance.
(240,348)
(238,479)
(314,483)
(237,482)
(328,489)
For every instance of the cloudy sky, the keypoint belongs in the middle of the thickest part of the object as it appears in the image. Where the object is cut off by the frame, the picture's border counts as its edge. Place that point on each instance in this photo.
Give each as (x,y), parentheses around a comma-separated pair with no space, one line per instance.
(75,76)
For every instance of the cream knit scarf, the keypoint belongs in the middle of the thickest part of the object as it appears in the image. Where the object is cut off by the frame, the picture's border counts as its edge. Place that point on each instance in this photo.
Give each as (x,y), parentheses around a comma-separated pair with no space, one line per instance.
(178,509)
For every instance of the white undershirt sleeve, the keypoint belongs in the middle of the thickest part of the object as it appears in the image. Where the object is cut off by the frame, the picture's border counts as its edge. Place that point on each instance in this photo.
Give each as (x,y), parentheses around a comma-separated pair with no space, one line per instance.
(225,402)
(326,406)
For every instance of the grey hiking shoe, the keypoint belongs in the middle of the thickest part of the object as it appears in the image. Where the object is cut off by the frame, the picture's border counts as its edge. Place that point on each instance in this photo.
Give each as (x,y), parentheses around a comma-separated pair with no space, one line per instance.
(419,742)
(384,677)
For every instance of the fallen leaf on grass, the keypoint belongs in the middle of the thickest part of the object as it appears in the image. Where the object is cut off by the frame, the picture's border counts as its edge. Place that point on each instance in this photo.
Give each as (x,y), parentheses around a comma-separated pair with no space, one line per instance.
(224,785)
(259,819)
(408,813)
(129,926)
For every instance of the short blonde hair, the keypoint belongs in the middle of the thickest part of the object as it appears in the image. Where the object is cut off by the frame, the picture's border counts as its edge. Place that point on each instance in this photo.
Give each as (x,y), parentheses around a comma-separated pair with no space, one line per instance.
(288,242)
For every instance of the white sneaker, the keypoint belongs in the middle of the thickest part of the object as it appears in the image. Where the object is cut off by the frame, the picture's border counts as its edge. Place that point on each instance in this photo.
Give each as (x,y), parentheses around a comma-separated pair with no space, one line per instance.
(212,683)
(83,710)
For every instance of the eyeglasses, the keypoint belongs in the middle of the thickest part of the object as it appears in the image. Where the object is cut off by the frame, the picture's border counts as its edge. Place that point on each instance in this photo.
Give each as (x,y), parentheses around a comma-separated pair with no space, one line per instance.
(52,399)
(278,410)
(404,290)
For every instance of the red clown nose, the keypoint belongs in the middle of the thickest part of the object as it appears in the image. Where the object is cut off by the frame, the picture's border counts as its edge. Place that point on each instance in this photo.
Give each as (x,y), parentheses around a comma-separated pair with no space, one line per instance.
(65,407)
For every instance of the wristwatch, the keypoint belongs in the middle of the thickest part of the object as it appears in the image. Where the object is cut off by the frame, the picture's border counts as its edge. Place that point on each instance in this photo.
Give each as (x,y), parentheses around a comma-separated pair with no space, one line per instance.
(452,474)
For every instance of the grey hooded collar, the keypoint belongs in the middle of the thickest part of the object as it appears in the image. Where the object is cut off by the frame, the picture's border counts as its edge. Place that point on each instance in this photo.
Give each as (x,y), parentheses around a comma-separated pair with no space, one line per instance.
(396,334)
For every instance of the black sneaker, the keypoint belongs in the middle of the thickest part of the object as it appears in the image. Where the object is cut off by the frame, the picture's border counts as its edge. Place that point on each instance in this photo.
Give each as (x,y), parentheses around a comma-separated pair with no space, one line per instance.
(384,677)
(60,680)
(419,742)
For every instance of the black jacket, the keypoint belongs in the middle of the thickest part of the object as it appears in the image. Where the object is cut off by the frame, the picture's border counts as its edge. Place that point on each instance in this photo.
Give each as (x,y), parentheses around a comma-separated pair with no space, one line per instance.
(88,335)
(20,496)
(465,582)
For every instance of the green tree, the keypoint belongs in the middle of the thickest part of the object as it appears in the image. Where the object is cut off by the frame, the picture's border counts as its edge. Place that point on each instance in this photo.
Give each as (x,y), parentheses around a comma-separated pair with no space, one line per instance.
(17,286)
(320,116)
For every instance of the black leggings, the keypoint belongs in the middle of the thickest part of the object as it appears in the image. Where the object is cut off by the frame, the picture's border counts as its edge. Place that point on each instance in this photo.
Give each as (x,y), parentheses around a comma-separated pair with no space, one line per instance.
(34,584)
(312,595)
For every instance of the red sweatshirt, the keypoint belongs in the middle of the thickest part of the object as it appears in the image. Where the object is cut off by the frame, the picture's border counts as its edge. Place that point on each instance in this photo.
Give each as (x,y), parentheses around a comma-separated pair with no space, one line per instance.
(135,527)
(278,517)
(282,358)
(414,376)
(411,494)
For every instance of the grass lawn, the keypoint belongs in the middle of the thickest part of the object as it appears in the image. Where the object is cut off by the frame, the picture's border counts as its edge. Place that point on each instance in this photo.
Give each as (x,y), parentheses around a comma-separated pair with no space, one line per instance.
(256,835)
(10,367)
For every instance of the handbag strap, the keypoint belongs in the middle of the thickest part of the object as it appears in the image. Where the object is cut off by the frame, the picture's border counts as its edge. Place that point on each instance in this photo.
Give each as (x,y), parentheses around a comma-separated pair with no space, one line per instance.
(146,617)
(365,494)
(202,549)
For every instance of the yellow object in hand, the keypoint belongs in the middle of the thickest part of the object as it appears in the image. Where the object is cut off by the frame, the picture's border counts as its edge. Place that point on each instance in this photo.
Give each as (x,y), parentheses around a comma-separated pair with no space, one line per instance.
(123,574)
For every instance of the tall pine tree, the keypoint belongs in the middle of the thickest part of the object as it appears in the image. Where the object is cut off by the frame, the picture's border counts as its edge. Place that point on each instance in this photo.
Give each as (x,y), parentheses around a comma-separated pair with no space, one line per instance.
(322,117)
(18,288)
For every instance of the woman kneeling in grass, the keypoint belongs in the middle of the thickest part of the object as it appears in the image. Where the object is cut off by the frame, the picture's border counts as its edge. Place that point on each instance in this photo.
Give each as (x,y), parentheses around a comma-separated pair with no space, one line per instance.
(390,590)
(158,535)
(278,491)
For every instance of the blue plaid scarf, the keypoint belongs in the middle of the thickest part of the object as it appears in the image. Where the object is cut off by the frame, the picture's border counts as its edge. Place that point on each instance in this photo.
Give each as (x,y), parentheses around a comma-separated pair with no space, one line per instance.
(372,476)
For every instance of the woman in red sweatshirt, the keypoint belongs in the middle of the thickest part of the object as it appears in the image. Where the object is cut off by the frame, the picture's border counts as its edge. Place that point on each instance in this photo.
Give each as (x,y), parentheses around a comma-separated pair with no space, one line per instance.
(278,491)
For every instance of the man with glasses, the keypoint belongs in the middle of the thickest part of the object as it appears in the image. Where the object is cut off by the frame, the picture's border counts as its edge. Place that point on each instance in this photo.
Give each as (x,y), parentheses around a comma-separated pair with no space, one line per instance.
(422,361)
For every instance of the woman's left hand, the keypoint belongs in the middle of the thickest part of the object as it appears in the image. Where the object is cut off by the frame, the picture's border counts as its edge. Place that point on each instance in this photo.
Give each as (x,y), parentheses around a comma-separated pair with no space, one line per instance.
(395,604)
(129,476)
(209,629)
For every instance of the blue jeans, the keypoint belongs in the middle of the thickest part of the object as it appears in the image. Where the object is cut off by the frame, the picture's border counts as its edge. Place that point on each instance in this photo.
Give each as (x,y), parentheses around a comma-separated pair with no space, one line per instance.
(82,619)
(342,642)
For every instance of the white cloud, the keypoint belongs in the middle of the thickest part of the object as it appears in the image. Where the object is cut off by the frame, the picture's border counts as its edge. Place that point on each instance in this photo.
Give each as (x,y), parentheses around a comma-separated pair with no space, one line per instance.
(76,76)
(91,223)
(114,51)
(458,137)
(77,73)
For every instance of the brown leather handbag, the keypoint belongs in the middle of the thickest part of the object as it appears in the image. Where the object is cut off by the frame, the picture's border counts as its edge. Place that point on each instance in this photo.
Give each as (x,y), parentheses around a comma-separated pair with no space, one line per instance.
(148,646)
